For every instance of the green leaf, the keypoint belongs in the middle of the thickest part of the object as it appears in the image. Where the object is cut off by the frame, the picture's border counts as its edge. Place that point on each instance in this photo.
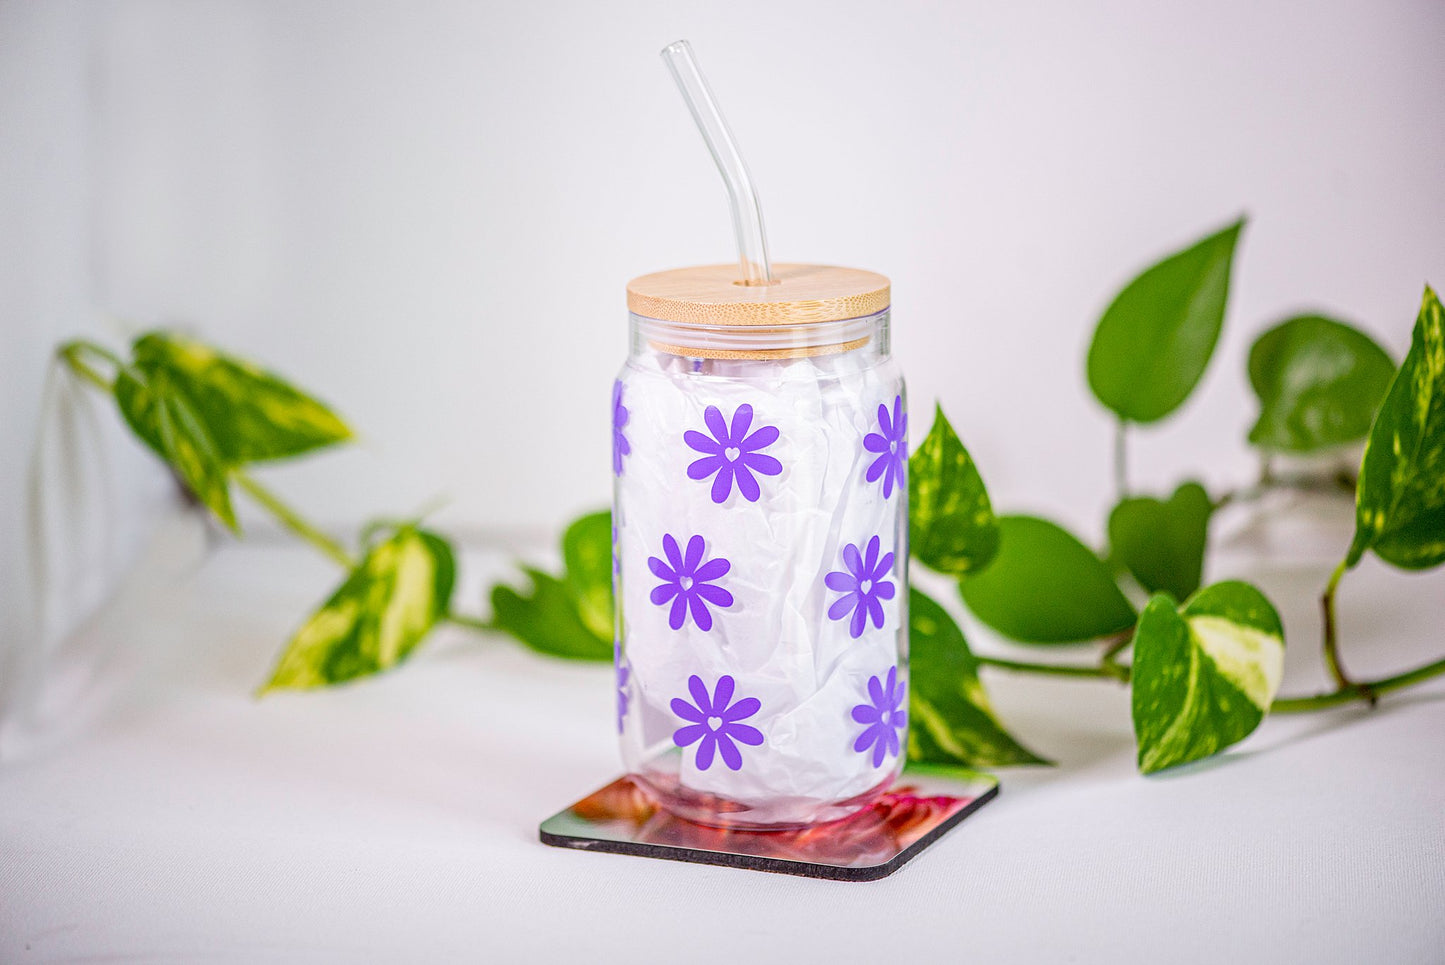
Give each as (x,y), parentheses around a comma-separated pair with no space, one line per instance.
(1162,542)
(1204,675)
(1154,341)
(1400,499)
(587,552)
(252,414)
(951,721)
(1046,587)
(165,421)
(1319,384)
(547,619)
(386,605)
(951,524)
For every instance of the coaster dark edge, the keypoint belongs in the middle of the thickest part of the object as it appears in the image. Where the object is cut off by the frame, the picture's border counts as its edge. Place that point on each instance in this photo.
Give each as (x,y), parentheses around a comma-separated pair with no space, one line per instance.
(773,865)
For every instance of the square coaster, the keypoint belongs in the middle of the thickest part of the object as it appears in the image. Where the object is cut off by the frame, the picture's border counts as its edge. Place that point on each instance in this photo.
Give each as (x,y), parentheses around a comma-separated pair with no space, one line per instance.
(622,818)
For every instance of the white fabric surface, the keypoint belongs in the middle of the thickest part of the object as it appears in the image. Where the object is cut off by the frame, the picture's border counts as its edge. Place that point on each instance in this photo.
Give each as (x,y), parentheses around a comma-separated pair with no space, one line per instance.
(397,819)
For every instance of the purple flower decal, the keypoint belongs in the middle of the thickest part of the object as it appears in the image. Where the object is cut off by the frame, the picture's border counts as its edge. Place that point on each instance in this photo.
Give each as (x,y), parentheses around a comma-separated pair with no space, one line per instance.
(687,582)
(885,717)
(863,587)
(732,453)
(620,446)
(891,443)
(623,673)
(715,722)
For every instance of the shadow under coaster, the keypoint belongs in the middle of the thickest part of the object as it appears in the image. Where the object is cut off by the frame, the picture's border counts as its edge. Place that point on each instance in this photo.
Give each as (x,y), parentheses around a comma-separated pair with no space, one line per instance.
(622,818)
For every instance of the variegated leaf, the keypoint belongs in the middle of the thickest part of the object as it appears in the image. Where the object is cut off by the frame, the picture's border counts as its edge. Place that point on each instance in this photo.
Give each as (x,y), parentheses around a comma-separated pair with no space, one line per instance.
(1400,498)
(252,414)
(952,528)
(387,604)
(1205,674)
(166,422)
(950,718)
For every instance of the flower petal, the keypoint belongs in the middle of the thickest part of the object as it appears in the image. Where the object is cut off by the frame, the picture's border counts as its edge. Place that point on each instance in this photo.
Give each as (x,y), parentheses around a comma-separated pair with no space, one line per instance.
(711,570)
(865,714)
(761,439)
(660,569)
(687,711)
(696,440)
(715,595)
(690,734)
(879,749)
(745,733)
(869,736)
(663,592)
(841,606)
(854,561)
(870,562)
(695,546)
(705,751)
(875,610)
(704,467)
(888,479)
(900,720)
(885,423)
(761,462)
(747,485)
(840,581)
(883,590)
(875,692)
(670,549)
(873,442)
(716,426)
(742,710)
(723,484)
(731,756)
(876,470)
(678,616)
(700,697)
(890,685)
(722,694)
(860,618)
(742,420)
(700,616)
(883,566)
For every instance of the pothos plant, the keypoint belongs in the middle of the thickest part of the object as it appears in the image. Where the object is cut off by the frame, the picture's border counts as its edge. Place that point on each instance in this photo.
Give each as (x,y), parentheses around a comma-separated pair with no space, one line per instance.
(1203,662)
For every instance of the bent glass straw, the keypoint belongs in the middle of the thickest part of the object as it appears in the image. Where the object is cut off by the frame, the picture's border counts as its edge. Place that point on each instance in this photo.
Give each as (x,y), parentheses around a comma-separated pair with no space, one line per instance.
(747,212)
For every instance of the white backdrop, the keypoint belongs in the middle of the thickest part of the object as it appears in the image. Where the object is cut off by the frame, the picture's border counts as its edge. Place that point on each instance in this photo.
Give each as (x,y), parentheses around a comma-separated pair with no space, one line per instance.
(428,212)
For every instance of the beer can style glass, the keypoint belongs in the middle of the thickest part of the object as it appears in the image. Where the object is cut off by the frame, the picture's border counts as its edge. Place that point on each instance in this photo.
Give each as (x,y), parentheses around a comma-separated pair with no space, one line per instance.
(760,545)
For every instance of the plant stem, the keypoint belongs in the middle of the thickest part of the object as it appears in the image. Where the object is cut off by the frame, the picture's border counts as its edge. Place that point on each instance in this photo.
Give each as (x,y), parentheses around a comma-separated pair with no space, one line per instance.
(1348,693)
(1121,460)
(1363,691)
(292,520)
(1334,482)
(1331,637)
(70,353)
(1107,661)
(1051,669)
(468,621)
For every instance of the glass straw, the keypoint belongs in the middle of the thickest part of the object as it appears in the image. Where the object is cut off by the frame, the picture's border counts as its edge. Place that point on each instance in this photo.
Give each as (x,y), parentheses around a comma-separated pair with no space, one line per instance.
(747,212)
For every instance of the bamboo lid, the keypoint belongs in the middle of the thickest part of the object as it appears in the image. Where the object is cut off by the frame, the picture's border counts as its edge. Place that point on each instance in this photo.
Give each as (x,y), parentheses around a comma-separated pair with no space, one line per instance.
(711,295)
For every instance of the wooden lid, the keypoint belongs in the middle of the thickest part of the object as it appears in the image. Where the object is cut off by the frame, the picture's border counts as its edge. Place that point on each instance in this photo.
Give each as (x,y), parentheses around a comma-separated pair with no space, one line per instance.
(711,295)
